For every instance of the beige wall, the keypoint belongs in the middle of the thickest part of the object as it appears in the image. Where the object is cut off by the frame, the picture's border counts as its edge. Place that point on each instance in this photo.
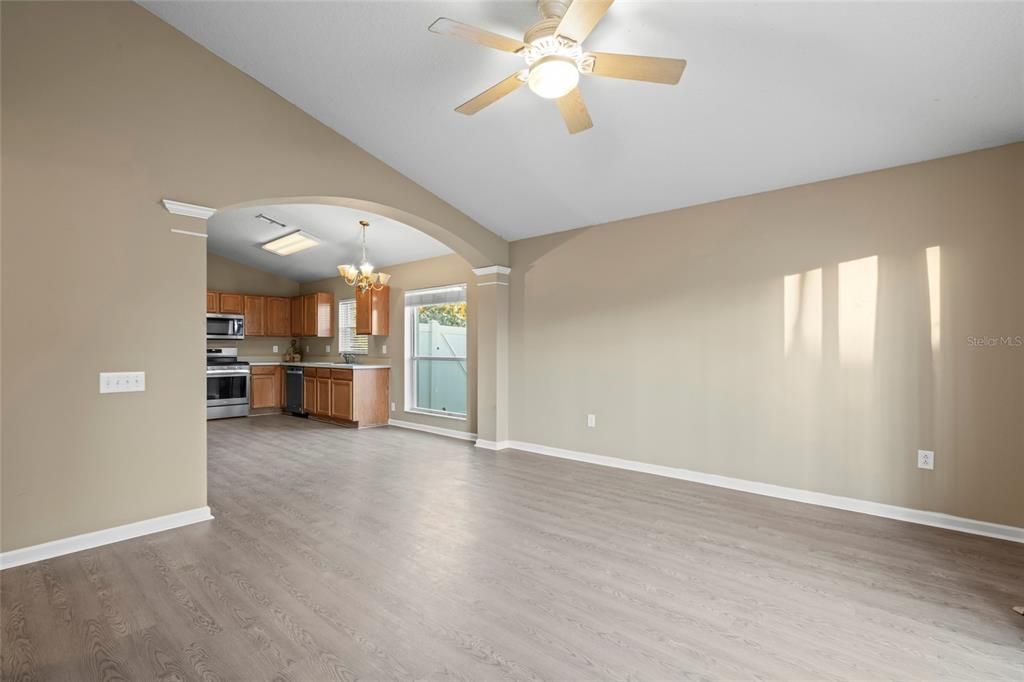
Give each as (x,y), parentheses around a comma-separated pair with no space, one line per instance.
(671,329)
(106,110)
(431,272)
(224,274)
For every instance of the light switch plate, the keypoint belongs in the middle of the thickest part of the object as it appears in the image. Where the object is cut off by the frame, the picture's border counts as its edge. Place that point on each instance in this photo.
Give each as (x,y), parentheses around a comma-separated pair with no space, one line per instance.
(122,382)
(591,420)
(925,459)
(384,349)
(327,348)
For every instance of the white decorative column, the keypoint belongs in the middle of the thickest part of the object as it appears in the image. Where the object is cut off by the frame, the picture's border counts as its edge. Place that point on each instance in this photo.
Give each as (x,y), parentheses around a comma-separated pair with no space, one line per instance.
(492,341)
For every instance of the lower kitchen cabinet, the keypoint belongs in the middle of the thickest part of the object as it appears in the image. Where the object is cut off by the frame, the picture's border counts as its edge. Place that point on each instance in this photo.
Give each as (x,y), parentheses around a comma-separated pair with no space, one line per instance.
(348,396)
(309,391)
(323,393)
(265,387)
(341,399)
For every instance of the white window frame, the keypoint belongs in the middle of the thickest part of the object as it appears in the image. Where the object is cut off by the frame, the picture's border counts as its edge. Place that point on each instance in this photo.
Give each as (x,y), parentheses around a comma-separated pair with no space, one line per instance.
(411,313)
(364,345)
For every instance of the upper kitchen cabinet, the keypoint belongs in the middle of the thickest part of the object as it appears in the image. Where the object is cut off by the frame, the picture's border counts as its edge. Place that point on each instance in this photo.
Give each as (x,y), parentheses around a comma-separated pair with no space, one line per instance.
(278,316)
(255,315)
(217,302)
(297,319)
(231,303)
(373,311)
(318,315)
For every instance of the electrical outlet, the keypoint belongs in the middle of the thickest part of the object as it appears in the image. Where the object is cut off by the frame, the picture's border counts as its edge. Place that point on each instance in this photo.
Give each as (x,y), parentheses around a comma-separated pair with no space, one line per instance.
(122,382)
(591,420)
(392,407)
(327,348)
(384,349)
(307,348)
(275,349)
(925,459)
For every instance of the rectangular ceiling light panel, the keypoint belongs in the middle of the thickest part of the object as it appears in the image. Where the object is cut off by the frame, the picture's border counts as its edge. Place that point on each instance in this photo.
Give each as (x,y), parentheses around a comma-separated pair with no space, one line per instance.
(291,243)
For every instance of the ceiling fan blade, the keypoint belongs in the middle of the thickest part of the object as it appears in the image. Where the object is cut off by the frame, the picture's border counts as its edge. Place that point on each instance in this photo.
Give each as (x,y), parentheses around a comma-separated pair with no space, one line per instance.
(490,95)
(581,18)
(637,68)
(457,29)
(574,111)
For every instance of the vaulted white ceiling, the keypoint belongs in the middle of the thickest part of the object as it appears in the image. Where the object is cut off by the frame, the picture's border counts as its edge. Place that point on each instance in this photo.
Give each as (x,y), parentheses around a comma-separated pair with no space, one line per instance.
(774,95)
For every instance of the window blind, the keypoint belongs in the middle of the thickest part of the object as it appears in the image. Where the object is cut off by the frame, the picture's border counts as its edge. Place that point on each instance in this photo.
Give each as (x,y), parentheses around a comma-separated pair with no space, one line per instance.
(348,340)
(453,293)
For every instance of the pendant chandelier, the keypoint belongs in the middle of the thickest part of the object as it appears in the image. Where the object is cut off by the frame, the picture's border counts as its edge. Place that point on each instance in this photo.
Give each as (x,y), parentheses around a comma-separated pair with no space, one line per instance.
(363,278)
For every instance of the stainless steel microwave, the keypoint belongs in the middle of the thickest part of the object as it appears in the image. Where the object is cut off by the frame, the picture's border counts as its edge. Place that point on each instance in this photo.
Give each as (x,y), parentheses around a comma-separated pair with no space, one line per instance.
(225,326)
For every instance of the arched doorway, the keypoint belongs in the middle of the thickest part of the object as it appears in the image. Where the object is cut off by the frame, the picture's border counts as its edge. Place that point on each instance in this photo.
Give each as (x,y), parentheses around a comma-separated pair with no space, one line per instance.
(487,254)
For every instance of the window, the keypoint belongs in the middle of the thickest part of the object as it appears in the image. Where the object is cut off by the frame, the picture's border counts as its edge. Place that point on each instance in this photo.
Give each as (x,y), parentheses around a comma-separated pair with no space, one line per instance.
(435,351)
(348,340)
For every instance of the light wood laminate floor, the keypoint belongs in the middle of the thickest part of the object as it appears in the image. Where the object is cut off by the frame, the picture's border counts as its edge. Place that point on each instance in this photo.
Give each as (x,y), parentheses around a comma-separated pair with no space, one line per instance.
(380,554)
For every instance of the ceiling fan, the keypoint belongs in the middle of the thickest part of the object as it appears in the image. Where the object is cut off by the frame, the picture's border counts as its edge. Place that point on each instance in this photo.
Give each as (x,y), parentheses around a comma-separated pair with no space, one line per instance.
(555,58)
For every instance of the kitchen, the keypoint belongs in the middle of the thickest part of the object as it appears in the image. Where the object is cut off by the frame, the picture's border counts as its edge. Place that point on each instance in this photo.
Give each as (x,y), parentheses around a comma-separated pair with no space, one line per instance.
(346,393)
(284,337)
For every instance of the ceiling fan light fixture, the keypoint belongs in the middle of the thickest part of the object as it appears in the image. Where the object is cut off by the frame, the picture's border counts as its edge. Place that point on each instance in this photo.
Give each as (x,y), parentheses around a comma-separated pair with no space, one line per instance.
(553,76)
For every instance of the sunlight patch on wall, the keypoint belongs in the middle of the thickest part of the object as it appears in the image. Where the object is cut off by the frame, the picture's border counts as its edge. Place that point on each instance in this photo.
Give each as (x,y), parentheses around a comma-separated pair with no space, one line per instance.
(933,256)
(802,318)
(858,303)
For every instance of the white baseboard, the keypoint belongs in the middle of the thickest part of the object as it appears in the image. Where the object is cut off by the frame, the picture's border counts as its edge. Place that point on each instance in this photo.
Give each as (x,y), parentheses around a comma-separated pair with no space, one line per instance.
(926,518)
(451,433)
(77,543)
(493,444)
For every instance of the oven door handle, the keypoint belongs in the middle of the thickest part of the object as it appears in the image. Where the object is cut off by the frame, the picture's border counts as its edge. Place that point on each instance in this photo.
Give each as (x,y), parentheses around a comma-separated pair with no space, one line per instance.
(227,374)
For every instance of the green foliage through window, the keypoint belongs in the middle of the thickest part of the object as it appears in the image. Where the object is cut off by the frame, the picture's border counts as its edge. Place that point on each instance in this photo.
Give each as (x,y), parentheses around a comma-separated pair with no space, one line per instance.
(447,314)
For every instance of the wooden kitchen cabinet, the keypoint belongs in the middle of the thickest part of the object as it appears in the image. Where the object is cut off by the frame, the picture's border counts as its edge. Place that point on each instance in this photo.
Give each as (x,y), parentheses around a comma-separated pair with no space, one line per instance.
(317,315)
(231,303)
(278,316)
(212,302)
(309,315)
(296,321)
(341,395)
(323,393)
(373,315)
(265,387)
(309,392)
(354,397)
(255,315)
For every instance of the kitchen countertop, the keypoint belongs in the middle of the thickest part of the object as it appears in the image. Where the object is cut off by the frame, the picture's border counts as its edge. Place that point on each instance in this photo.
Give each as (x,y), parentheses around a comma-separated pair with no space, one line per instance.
(333,365)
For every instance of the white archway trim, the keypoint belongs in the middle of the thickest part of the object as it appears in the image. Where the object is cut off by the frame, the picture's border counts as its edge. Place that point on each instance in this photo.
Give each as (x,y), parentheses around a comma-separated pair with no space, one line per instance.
(492,270)
(190,210)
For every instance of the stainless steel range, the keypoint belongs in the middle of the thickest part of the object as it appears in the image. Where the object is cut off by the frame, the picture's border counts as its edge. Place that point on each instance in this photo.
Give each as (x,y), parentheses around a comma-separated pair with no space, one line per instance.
(227,384)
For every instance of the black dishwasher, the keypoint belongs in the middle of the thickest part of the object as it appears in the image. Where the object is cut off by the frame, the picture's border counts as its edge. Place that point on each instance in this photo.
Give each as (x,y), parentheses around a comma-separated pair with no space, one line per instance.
(293,389)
